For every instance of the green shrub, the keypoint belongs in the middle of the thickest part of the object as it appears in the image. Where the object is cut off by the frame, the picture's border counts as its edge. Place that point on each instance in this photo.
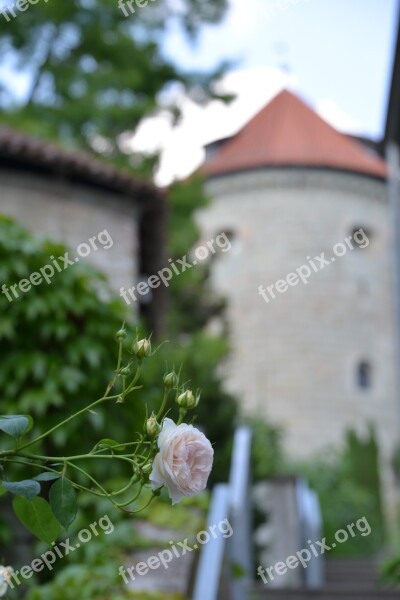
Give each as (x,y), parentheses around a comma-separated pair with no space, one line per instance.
(347,483)
(267,452)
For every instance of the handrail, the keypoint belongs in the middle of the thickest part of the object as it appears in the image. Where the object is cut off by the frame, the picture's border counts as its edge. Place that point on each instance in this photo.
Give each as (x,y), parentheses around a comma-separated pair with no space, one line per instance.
(240,546)
(212,556)
(310,517)
(229,501)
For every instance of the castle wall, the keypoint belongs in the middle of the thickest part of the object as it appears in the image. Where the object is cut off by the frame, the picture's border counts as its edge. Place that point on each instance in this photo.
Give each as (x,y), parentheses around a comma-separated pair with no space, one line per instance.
(295,358)
(72,214)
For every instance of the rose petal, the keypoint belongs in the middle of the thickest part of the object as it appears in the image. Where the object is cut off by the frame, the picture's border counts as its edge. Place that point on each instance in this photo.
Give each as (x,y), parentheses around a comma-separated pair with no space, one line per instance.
(184,461)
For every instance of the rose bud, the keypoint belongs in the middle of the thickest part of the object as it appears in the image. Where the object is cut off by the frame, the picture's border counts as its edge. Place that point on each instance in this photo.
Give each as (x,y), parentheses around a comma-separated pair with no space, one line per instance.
(142,348)
(188,399)
(147,468)
(121,334)
(152,427)
(170,379)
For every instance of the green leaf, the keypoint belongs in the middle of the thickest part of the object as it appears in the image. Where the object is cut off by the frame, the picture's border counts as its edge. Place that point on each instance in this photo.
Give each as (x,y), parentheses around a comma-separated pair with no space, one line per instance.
(63,503)
(2,490)
(238,571)
(47,476)
(36,515)
(27,488)
(15,425)
(107,443)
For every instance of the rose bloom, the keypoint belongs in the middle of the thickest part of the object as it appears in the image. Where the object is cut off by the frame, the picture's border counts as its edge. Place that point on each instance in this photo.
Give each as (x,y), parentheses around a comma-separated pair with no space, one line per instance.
(184,461)
(5,573)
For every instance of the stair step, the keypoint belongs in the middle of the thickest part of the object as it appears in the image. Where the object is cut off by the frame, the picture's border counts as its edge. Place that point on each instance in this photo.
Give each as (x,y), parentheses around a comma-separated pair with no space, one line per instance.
(260,592)
(349,573)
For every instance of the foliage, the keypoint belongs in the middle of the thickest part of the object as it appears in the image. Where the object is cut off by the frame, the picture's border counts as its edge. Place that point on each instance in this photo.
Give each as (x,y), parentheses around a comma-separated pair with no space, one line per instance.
(194,302)
(54,362)
(193,305)
(54,340)
(347,483)
(267,453)
(87,581)
(396,461)
(92,571)
(390,573)
(362,458)
(44,518)
(80,580)
(95,73)
(216,414)
(93,76)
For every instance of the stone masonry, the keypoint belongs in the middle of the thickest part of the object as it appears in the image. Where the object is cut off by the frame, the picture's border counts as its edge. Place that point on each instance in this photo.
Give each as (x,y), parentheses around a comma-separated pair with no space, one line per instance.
(295,359)
(73,213)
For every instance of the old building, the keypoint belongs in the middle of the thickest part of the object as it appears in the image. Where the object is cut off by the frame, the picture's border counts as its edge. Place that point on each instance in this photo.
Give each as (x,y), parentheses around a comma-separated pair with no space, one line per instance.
(308,279)
(72,197)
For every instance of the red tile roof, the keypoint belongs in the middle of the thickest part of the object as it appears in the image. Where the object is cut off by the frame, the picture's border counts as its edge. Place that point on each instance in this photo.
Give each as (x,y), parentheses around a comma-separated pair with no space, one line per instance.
(287,132)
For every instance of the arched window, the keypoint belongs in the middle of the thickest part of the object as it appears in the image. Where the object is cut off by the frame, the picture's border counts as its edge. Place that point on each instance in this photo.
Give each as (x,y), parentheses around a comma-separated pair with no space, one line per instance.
(360,236)
(364,375)
(228,239)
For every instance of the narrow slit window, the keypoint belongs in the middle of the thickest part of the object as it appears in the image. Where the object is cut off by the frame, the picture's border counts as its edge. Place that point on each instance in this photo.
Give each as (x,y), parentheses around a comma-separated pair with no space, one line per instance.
(364,375)
(360,237)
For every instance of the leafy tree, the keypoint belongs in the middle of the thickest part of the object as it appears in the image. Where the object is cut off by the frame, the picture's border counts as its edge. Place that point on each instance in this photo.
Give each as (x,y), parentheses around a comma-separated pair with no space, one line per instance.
(94,73)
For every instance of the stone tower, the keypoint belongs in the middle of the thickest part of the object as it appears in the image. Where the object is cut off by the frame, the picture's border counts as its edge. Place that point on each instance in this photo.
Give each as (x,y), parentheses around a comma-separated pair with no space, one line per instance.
(308,278)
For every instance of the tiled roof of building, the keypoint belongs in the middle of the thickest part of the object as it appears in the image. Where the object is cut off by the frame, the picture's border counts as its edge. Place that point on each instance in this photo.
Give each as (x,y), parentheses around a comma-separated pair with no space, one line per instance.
(21,150)
(287,133)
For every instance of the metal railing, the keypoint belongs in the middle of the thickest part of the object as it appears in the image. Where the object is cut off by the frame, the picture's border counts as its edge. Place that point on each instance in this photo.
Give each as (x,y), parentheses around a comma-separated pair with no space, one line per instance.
(233,502)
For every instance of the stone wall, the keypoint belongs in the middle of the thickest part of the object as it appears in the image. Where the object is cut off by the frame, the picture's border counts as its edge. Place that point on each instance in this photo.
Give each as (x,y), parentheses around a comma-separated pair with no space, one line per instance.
(72,214)
(295,359)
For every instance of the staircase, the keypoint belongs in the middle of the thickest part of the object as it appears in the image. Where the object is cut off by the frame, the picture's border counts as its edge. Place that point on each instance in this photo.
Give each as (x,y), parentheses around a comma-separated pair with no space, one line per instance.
(345,580)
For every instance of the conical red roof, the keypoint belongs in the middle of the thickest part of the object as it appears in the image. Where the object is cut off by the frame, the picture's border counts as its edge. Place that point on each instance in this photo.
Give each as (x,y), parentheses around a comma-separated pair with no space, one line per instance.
(287,132)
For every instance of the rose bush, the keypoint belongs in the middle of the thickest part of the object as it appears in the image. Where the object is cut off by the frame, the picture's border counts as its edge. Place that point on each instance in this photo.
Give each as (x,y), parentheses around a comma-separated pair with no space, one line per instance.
(178,456)
(184,461)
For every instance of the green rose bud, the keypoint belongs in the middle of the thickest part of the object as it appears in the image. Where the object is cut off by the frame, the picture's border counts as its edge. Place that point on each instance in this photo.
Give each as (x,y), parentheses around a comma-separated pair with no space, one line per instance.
(142,348)
(147,468)
(170,379)
(188,399)
(121,334)
(152,427)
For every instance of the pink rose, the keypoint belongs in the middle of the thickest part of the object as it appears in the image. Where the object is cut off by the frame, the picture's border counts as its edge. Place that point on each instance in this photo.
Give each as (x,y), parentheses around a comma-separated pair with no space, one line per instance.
(184,461)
